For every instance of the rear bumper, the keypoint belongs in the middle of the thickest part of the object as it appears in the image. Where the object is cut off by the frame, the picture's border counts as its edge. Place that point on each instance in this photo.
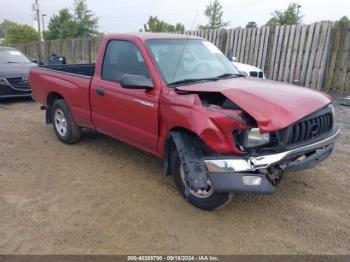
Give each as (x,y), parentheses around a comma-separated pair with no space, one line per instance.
(227,173)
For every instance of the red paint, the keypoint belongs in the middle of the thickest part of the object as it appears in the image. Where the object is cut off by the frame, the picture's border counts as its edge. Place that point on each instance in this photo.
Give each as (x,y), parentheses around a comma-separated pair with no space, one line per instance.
(120,114)
(274,105)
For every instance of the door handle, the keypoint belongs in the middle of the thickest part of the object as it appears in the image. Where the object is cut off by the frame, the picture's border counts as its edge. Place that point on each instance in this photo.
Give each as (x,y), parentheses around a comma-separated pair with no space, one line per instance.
(100,91)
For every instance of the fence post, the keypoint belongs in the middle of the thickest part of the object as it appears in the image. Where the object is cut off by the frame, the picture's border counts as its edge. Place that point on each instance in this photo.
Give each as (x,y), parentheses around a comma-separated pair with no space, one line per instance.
(223,40)
(338,66)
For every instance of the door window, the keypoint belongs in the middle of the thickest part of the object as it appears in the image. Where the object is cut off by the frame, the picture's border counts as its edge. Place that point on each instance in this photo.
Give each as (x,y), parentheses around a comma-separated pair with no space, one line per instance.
(123,57)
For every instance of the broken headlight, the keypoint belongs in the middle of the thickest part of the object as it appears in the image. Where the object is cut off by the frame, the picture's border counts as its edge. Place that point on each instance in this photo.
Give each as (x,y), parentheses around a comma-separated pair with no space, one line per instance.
(253,138)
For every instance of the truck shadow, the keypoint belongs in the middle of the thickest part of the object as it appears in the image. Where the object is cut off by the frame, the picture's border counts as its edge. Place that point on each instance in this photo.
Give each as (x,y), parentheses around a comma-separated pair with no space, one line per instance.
(16,100)
(109,147)
(293,185)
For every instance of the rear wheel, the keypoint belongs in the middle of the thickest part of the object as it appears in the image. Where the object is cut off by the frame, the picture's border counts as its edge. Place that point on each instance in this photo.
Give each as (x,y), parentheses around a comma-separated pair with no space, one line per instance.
(204,198)
(63,123)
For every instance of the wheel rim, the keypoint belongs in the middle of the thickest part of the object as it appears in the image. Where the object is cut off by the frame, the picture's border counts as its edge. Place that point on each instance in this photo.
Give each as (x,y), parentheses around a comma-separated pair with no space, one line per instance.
(60,122)
(201,193)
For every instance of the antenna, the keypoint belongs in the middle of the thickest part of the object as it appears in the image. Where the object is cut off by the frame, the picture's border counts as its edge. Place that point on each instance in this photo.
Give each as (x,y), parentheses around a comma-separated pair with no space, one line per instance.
(183,50)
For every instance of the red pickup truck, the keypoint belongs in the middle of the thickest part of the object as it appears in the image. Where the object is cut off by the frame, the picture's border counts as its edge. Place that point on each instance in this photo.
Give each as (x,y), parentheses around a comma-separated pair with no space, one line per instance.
(179,98)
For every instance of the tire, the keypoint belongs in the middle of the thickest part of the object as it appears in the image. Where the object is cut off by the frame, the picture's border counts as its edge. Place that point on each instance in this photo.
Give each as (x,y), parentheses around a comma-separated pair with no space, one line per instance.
(208,201)
(63,123)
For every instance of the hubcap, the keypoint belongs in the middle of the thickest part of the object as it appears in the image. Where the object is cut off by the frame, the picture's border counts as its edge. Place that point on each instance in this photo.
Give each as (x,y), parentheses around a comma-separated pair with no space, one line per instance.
(201,193)
(60,122)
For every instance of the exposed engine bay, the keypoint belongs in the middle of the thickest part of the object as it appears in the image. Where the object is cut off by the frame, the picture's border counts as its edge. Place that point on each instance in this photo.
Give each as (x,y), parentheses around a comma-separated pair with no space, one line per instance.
(217,99)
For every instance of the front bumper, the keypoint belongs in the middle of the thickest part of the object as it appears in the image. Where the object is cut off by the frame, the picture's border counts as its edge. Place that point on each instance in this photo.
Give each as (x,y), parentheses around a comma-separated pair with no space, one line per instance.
(9,91)
(226,173)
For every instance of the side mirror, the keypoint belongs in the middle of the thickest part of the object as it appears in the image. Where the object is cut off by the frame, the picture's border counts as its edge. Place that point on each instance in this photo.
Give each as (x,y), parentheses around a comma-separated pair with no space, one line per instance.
(233,59)
(136,82)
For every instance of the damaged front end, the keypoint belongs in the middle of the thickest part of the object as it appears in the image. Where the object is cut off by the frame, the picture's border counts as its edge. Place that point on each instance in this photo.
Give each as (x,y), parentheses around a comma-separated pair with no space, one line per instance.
(230,173)
(266,156)
(258,160)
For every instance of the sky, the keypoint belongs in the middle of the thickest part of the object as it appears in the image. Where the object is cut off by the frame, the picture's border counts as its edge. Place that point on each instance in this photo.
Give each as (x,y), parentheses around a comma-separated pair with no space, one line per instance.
(129,16)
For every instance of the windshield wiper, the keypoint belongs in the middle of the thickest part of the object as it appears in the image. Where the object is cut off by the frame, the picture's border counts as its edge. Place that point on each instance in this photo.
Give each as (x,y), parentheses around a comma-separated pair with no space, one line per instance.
(228,75)
(196,80)
(189,80)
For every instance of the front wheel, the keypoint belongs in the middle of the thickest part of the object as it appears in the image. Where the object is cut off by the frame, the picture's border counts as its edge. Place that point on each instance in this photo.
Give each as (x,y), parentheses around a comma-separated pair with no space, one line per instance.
(204,198)
(63,123)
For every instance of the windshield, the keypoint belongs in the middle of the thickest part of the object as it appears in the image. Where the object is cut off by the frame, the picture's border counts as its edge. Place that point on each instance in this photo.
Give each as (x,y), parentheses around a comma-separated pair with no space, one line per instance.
(180,60)
(12,56)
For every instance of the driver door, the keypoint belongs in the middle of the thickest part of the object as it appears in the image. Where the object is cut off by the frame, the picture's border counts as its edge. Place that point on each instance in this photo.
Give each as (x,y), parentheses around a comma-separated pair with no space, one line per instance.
(130,115)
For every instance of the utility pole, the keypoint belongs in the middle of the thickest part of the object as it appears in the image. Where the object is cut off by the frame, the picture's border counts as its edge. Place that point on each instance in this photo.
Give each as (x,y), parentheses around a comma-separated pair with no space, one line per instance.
(37,10)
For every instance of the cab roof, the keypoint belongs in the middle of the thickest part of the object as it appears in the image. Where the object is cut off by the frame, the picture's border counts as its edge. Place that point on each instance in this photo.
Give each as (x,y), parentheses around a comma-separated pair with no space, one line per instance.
(147,36)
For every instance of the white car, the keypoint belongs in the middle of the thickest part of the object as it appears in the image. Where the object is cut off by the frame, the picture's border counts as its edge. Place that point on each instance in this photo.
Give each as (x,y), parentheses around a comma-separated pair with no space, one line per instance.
(248,70)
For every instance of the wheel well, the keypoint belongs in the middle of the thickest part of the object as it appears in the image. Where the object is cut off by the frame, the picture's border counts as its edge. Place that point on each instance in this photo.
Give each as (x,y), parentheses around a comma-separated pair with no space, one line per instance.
(190,150)
(169,147)
(51,98)
(169,141)
(191,133)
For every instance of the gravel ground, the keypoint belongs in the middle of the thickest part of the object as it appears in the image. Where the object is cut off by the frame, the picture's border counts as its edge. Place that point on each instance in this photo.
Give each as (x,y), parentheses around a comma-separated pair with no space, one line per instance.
(104,197)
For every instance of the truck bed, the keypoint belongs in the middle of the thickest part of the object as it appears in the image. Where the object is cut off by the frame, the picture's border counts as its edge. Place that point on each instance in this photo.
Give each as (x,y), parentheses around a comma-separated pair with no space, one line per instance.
(71,82)
(85,70)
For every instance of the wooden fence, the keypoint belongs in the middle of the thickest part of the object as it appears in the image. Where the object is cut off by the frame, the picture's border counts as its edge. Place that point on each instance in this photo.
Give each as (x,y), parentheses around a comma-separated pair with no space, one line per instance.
(76,51)
(315,55)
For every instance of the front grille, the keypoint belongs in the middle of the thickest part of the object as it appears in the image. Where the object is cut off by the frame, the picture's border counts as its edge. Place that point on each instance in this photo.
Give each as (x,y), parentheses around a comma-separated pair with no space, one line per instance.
(310,128)
(19,83)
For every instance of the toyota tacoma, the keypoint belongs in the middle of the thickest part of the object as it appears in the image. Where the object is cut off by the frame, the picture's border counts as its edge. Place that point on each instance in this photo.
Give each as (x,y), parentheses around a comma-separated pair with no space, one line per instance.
(179,98)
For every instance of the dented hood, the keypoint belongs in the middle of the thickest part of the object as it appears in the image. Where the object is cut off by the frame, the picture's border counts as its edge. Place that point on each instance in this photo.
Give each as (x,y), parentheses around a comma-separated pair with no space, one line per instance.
(274,105)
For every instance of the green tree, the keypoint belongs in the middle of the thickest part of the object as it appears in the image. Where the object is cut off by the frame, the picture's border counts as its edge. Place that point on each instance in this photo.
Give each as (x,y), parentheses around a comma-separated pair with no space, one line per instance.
(20,34)
(86,22)
(61,26)
(344,20)
(180,28)
(290,16)
(251,24)
(214,13)
(82,23)
(156,25)
(4,26)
